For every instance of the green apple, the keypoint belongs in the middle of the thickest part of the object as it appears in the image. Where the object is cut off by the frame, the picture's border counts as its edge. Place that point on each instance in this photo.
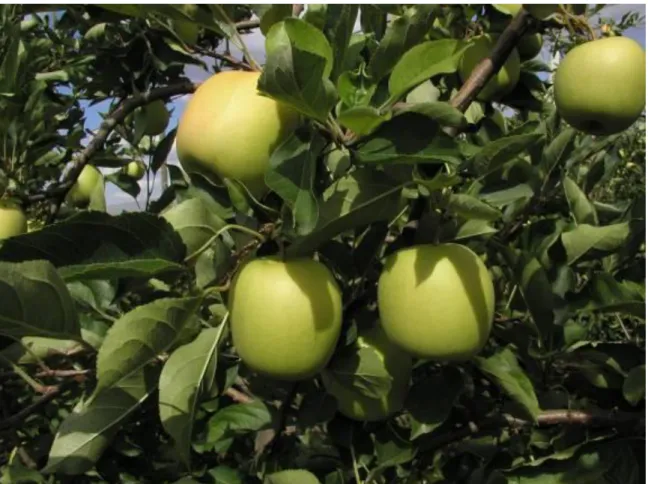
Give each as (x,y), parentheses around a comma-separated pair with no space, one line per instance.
(541,11)
(285,316)
(12,220)
(508,8)
(436,301)
(135,169)
(529,46)
(351,401)
(501,83)
(155,116)
(229,130)
(187,31)
(600,86)
(81,192)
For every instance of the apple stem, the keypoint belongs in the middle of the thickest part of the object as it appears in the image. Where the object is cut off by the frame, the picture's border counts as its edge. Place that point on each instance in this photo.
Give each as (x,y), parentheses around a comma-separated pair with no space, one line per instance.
(218,233)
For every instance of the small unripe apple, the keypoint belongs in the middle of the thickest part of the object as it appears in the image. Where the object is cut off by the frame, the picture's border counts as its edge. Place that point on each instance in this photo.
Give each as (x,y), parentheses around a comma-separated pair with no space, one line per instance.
(12,220)
(285,316)
(436,301)
(541,11)
(600,86)
(187,31)
(501,83)
(351,401)
(229,130)
(81,192)
(135,169)
(155,116)
(529,46)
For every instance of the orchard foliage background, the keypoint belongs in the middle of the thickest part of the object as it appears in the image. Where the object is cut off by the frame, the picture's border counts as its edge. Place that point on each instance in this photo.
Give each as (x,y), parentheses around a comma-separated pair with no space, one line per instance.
(115,358)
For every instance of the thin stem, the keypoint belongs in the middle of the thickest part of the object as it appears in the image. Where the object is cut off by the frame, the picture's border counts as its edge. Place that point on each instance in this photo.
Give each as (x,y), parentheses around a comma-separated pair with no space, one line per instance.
(222,230)
(37,387)
(238,39)
(356,472)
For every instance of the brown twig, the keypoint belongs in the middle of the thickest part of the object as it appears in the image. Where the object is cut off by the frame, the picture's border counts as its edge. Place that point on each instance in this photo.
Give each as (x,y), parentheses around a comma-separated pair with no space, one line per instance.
(483,71)
(238,396)
(116,117)
(51,393)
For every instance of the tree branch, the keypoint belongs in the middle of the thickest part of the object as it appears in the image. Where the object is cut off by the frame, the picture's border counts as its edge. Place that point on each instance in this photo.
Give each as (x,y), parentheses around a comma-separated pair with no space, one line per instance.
(52,393)
(488,67)
(61,189)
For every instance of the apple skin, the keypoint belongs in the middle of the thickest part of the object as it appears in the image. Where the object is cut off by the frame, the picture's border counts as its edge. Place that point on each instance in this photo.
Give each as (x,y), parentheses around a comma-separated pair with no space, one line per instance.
(600,86)
(80,193)
(135,170)
(500,84)
(12,220)
(229,130)
(157,118)
(357,406)
(285,316)
(541,11)
(436,301)
(529,46)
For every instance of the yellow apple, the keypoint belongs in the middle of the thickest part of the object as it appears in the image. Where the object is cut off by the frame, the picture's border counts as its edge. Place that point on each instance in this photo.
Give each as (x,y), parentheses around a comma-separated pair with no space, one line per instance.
(285,316)
(155,116)
(81,192)
(355,404)
(436,301)
(229,130)
(529,46)
(135,169)
(600,86)
(501,83)
(12,220)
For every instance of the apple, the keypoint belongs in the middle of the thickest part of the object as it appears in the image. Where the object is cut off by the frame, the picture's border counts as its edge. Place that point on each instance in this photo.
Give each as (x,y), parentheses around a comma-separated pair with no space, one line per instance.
(541,11)
(135,169)
(600,86)
(529,46)
(508,8)
(12,220)
(81,192)
(229,130)
(351,401)
(436,301)
(155,116)
(187,31)
(285,316)
(501,83)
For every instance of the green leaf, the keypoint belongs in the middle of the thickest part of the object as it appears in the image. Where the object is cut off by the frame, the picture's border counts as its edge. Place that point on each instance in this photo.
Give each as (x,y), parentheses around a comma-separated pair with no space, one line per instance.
(97,238)
(430,401)
(498,152)
(581,208)
(503,369)
(585,238)
(422,62)
(163,149)
(195,222)
(362,120)
(140,335)
(298,65)
(391,450)
(409,138)
(226,475)
(292,172)
(501,198)
(340,20)
(113,270)
(634,386)
(30,349)
(11,60)
(363,197)
(473,228)
(276,13)
(558,151)
(238,419)
(188,373)
(356,88)
(36,302)
(603,293)
(86,433)
(403,33)
(472,208)
(316,408)
(441,112)
(291,476)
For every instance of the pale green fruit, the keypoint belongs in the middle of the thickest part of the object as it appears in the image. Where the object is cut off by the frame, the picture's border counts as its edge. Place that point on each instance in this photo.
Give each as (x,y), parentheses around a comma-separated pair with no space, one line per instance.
(12,220)
(541,11)
(436,301)
(229,130)
(155,116)
(285,316)
(81,192)
(355,404)
(600,86)
(501,83)
(529,46)
(187,31)
(508,8)
(135,170)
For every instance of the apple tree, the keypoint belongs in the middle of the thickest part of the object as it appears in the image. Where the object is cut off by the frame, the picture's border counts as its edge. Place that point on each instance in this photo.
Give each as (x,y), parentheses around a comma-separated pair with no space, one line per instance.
(406,245)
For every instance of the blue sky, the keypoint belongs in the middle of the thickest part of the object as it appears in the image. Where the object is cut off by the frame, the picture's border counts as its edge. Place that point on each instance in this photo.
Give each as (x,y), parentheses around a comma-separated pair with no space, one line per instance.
(118,200)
